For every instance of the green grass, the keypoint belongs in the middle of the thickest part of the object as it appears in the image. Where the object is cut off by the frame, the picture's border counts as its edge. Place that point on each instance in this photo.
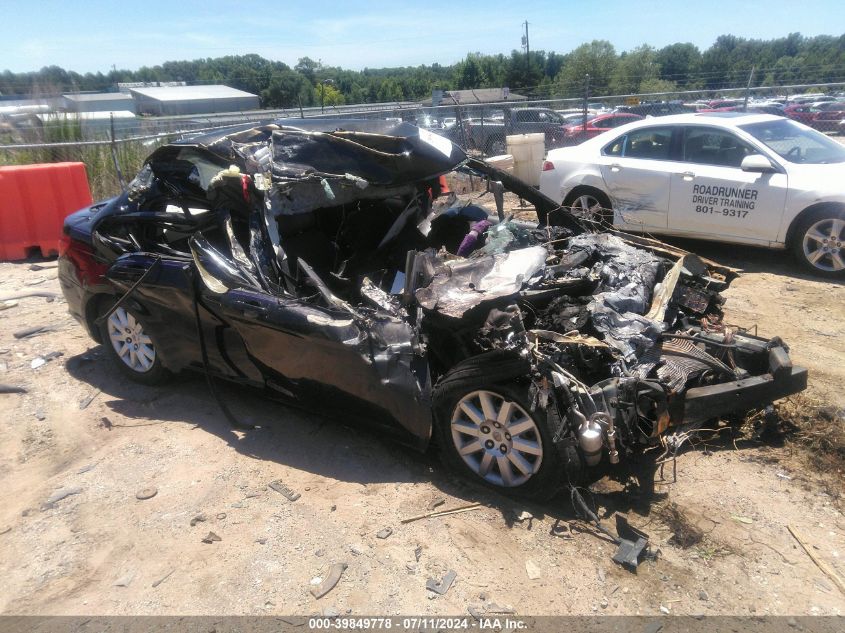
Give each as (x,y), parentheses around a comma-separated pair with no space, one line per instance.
(98,160)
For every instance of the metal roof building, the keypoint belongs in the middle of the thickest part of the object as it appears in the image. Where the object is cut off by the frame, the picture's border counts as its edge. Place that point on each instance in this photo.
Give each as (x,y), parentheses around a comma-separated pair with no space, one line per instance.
(175,100)
(99,102)
(477,95)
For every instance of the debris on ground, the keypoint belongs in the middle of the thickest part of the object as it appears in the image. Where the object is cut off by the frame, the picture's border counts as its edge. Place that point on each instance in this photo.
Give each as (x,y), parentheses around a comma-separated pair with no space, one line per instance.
(105,423)
(211,537)
(442,586)
(125,580)
(146,493)
(283,490)
(633,545)
(384,533)
(88,400)
(328,583)
(60,494)
(532,569)
(221,516)
(745,520)
(12,389)
(50,296)
(436,503)
(163,578)
(5,305)
(521,516)
(441,513)
(200,518)
(823,566)
(38,361)
(35,330)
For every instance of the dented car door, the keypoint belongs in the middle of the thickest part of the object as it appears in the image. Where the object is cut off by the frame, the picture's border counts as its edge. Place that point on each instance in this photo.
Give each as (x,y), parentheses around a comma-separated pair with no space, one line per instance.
(331,358)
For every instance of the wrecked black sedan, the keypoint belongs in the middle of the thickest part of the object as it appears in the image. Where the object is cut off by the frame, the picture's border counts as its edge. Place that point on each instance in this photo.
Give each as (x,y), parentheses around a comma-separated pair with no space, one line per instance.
(329,263)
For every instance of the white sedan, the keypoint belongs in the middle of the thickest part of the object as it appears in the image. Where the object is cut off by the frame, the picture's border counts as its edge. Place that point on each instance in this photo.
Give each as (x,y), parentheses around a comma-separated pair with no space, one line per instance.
(727,176)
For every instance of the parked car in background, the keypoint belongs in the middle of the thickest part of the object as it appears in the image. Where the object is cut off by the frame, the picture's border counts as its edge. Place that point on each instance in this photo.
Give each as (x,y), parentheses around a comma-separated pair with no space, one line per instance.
(725,176)
(656,108)
(580,131)
(810,98)
(752,108)
(490,137)
(803,113)
(827,115)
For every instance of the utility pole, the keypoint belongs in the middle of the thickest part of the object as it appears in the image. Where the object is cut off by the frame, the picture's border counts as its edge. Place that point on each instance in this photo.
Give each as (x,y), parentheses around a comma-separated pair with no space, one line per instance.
(527,48)
(748,90)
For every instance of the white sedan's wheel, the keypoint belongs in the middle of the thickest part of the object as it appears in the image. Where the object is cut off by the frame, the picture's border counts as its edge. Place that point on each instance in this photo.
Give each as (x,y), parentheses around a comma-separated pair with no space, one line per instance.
(496,438)
(823,244)
(131,344)
(586,206)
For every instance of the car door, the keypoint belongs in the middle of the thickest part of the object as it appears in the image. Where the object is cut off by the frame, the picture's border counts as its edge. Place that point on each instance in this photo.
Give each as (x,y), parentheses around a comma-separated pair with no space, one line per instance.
(636,168)
(320,351)
(713,197)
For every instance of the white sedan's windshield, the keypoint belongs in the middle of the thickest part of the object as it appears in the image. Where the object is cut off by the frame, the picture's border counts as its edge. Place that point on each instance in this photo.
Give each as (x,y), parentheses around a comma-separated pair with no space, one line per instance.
(795,143)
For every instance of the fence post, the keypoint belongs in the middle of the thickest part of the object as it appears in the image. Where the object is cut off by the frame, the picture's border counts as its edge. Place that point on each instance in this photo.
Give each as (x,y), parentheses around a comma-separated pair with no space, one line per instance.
(483,149)
(113,145)
(748,90)
(586,99)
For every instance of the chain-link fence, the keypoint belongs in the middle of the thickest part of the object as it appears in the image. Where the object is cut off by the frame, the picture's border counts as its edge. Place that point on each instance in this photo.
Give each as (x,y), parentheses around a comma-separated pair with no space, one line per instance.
(113,149)
(483,128)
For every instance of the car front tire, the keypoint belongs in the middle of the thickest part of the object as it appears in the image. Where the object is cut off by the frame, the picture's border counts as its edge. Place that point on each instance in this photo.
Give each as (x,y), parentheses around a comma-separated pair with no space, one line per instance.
(132,346)
(819,243)
(486,431)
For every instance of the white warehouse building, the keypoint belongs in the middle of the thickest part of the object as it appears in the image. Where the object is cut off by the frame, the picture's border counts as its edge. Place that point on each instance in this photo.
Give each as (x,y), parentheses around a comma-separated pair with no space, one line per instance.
(176,100)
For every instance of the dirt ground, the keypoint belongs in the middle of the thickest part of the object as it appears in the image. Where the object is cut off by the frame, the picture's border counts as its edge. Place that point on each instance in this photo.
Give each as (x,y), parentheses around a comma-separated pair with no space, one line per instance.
(101,550)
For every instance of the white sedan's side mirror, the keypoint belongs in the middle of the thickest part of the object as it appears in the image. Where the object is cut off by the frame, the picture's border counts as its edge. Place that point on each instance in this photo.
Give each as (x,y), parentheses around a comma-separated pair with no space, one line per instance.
(756,162)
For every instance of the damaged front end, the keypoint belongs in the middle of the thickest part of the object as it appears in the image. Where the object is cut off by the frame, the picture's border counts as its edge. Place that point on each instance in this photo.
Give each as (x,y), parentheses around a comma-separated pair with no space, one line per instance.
(625,336)
(332,265)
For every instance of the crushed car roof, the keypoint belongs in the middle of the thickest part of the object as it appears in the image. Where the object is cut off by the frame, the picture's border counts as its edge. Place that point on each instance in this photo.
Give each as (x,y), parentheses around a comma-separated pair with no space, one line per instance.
(383,153)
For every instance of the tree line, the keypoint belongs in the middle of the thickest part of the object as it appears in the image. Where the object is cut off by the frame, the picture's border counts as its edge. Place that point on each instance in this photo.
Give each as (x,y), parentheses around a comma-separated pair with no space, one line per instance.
(540,74)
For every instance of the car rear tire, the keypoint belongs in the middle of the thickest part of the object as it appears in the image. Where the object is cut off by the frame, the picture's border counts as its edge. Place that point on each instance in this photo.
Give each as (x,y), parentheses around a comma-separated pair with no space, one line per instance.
(590,204)
(132,347)
(819,243)
(486,431)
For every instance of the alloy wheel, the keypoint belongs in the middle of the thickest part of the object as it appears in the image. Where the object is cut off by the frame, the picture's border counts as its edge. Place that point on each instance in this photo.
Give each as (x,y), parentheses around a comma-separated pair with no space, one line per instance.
(496,438)
(824,245)
(133,346)
(587,207)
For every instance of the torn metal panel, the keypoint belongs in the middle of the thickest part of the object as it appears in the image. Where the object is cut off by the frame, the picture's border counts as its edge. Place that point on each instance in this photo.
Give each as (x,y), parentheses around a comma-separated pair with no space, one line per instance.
(460,285)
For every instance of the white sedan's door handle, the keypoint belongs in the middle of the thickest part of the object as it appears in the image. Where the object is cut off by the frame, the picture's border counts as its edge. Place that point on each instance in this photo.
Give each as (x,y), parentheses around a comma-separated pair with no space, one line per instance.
(688,175)
(615,167)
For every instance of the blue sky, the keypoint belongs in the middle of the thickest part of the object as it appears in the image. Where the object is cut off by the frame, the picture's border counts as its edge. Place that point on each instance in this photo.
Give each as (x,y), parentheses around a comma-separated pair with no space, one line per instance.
(92,35)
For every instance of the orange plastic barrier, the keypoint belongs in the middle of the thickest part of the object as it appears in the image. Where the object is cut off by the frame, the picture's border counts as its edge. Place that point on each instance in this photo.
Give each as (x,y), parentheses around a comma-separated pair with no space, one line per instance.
(34,201)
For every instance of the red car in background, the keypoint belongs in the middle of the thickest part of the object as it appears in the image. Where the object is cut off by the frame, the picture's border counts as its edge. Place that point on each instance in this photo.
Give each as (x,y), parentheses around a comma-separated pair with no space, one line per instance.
(827,116)
(580,132)
(801,112)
